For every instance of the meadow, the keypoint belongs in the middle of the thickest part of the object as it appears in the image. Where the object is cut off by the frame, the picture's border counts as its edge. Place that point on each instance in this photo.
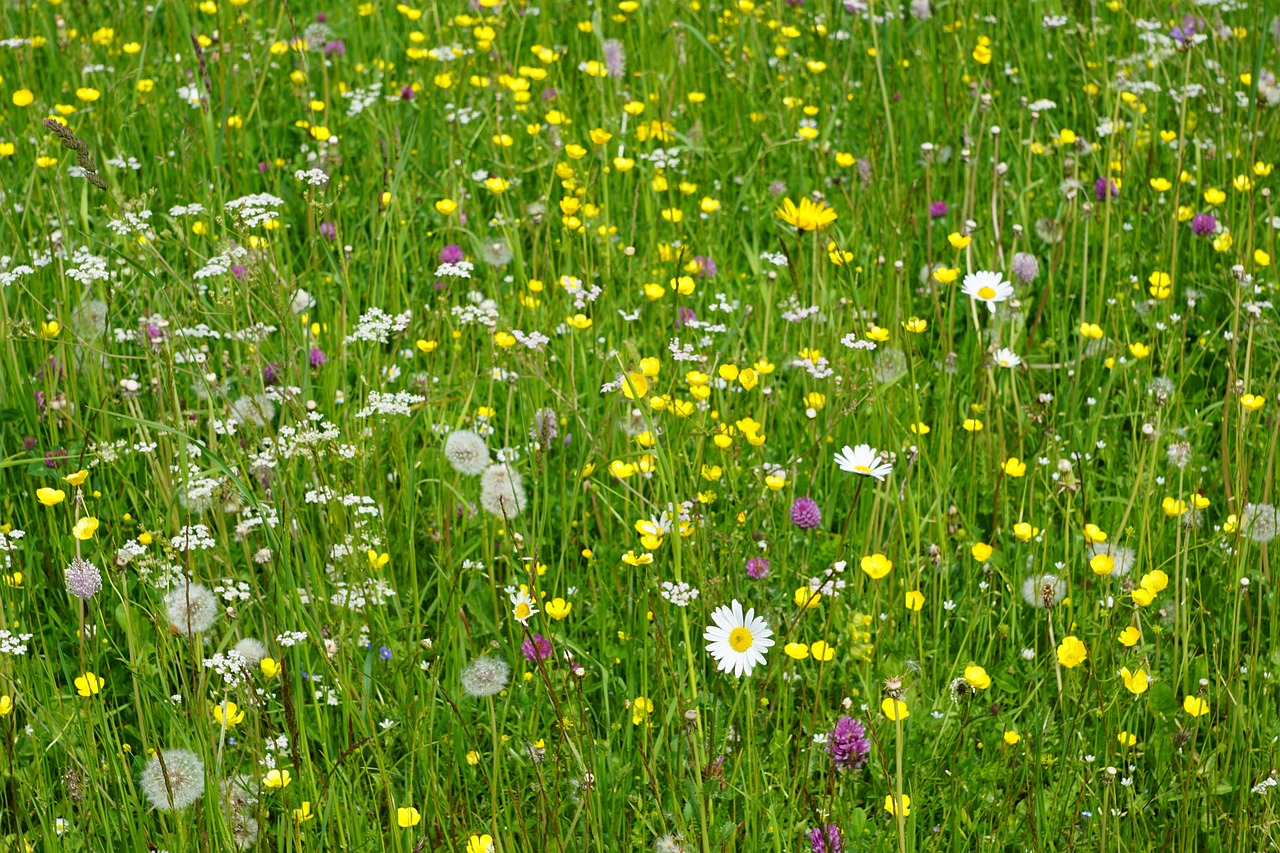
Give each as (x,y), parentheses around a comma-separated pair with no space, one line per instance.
(657,425)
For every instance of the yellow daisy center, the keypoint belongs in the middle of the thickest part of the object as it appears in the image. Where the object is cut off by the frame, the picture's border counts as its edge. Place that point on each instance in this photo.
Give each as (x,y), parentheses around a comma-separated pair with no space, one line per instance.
(985,292)
(522,611)
(740,639)
(862,469)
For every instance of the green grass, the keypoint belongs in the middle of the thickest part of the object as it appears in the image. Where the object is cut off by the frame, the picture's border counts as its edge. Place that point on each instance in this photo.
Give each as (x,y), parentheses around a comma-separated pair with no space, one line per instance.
(134,345)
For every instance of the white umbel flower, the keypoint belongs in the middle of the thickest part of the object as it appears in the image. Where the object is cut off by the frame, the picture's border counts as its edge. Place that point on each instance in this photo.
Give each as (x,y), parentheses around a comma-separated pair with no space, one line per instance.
(1005,357)
(987,287)
(865,460)
(738,642)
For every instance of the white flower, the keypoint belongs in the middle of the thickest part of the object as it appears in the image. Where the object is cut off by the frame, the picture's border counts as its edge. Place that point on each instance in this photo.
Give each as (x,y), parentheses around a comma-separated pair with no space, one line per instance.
(737,642)
(522,607)
(863,459)
(988,287)
(1006,357)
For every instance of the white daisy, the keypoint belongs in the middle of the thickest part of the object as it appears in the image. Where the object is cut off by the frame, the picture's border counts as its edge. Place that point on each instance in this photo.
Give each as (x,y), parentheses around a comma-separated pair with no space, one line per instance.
(863,459)
(988,287)
(1006,357)
(522,607)
(737,642)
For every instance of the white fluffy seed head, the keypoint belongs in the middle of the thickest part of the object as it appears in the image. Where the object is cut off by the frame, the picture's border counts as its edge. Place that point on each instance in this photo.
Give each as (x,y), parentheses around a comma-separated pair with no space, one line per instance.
(486,676)
(173,779)
(252,650)
(466,452)
(192,608)
(501,491)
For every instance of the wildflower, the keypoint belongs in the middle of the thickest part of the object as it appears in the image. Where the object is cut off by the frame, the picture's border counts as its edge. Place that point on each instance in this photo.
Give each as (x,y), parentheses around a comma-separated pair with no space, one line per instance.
(863,459)
(485,676)
(738,642)
(536,648)
(558,608)
(894,709)
(1007,358)
(891,805)
(50,497)
(977,677)
(501,491)
(1252,402)
(1195,705)
(6,705)
(806,598)
(796,651)
(805,513)
(807,216)
(270,667)
(172,780)
(988,288)
(85,528)
(1014,467)
(757,568)
(522,607)
(89,684)
(981,551)
(82,579)
(1135,682)
(821,651)
(1129,636)
(303,813)
(1071,652)
(826,839)
(1011,738)
(914,600)
(407,816)
(848,744)
(877,566)
(227,714)
(466,452)
(480,844)
(1102,564)
(277,778)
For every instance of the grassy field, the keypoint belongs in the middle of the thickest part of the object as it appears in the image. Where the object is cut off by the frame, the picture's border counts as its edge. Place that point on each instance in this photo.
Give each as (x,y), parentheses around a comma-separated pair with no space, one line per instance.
(641,426)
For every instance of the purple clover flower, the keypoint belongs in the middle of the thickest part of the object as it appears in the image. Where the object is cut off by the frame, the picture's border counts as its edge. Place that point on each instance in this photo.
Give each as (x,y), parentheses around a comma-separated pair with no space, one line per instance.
(805,513)
(1203,224)
(847,744)
(938,208)
(536,648)
(452,254)
(317,358)
(826,839)
(1105,188)
(757,568)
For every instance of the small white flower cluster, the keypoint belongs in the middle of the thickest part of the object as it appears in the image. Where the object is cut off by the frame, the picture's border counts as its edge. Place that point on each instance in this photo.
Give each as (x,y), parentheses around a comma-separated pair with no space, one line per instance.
(291,638)
(230,665)
(461,269)
(13,644)
(312,177)
(221,263)
(358,596)
(680,594)
(193,209)
(254,209)
(399,403)
(377,326)
(194,537)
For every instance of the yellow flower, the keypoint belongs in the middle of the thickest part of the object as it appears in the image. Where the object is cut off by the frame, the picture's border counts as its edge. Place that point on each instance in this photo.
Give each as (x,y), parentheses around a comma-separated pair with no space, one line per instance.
(1092,533)
(1091,330)
(1143,597)
(1195,706)
(635,386)
(806,598)
(376,560)
(50,497)
(303,813)
(1102,564)
(1025,531)
(1161,185)
(972,425)
(891,805)
(640,708)
(796,651)
(981,551)
(1154,581)
(915,325)
(1261,258)
(957,241)
(1214,196)
(407,816)
(87,94)
(807,216)
(480,844)
(1011,737)
(227,714)
(558,608)
(1072,652)
(1139,350)
(1173,507)
(877,566)
(894,709)
(579,321)
(85,528)
(1129,636)
(78,478)
(1135,682)
(1014,467)
(277,778)
(915,600)
(6,705)
(270,667)
(446,206)
(821,651)
(23,98)
(89,684)
(946,275)
(977,677)
(1252,402)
